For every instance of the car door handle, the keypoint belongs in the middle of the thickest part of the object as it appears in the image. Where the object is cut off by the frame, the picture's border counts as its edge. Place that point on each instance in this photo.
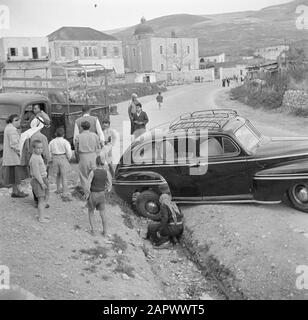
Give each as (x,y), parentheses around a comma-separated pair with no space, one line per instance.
(198,169)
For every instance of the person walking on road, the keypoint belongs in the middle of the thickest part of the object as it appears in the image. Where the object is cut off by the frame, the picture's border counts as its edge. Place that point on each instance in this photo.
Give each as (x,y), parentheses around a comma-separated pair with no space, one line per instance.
(159,100)
(140,120)
(13,172)
(87,148)
(132,111)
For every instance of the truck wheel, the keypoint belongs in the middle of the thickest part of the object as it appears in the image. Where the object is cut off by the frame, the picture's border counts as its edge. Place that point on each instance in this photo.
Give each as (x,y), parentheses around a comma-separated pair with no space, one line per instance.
(298,195)
(147,205)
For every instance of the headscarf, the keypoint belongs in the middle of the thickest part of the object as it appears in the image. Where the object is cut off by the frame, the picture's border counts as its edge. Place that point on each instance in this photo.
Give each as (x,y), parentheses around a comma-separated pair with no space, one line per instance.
(35,126)
(165,199)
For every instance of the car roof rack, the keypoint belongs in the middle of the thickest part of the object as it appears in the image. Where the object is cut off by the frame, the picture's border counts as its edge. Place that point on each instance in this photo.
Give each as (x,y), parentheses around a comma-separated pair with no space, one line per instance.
(214,119)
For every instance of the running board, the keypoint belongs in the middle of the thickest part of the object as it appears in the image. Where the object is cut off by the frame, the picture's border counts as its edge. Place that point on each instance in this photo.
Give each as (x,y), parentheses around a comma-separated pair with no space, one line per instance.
(225,202)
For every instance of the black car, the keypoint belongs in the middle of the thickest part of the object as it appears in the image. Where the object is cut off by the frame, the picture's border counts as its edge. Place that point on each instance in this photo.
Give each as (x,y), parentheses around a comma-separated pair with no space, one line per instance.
(212,156)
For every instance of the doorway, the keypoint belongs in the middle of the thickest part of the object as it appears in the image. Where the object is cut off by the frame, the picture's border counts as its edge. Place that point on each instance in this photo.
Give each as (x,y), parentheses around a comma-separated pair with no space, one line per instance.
(34,53)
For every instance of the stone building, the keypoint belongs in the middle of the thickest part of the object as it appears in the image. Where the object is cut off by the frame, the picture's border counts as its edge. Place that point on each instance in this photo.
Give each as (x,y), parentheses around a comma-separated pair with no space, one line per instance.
(218,58)
(23,49)
(86,46)
(146,52)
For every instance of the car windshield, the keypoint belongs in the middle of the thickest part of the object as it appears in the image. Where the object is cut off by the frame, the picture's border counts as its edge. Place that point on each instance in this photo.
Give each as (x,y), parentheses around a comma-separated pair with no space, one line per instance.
(5,112)
(249,137)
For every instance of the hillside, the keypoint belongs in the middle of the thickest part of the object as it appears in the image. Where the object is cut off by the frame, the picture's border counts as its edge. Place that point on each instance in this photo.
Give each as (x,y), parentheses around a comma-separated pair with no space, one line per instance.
(236,33)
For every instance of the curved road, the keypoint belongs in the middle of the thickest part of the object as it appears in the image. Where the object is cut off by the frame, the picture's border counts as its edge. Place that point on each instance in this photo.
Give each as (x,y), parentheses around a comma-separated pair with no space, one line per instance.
(262,246)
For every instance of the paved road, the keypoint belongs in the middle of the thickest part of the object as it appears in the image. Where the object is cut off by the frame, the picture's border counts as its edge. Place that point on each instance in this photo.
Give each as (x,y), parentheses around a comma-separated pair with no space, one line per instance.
(261,245)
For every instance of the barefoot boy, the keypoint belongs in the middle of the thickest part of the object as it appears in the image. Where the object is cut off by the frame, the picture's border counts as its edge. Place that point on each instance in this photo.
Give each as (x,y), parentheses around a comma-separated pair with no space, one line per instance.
(99,181)
(39,182)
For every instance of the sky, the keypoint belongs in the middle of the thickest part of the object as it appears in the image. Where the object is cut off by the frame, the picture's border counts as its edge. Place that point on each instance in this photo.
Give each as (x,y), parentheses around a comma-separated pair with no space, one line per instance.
(41,17)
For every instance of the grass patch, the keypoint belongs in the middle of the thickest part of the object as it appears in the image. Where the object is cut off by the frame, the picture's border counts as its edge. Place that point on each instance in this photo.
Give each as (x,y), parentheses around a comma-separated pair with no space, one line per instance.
(123,267)
(118,243)
(95,253)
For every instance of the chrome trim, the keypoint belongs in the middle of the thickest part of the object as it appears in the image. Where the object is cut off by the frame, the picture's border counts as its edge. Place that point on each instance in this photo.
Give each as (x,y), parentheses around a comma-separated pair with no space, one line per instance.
(217,162)
(288,177)
(138,183)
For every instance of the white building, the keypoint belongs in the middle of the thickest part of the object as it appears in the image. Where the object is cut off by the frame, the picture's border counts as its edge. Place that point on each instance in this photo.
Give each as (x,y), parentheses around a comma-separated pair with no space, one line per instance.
(146,52)
(23,49)
(86,46)
(271,53)
(219,58)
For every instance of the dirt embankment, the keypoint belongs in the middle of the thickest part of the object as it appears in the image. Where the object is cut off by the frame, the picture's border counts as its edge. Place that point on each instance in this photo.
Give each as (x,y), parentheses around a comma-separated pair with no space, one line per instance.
(61,260)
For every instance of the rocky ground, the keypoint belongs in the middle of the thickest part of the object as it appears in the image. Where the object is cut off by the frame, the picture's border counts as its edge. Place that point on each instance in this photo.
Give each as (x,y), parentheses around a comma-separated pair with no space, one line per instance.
(61,260)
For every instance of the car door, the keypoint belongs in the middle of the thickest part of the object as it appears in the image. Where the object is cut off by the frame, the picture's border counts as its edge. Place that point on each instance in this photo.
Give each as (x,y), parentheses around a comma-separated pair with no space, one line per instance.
(223,169)
(179,154)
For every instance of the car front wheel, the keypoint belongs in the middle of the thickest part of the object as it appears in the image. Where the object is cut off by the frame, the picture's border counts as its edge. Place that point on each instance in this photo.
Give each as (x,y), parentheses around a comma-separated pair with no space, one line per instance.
(147,205)
(298,195)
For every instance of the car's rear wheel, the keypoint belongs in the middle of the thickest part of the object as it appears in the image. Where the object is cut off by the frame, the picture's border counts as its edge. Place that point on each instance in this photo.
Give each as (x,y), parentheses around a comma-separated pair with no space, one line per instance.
(298,195)
(147,205)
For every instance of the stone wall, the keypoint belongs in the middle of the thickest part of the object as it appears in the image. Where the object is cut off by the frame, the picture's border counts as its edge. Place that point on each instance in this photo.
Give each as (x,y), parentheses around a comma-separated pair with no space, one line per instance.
(295,100)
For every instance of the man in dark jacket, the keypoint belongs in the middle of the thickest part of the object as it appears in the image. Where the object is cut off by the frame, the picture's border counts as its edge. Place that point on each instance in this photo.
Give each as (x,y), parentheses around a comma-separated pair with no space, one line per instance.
(140,119)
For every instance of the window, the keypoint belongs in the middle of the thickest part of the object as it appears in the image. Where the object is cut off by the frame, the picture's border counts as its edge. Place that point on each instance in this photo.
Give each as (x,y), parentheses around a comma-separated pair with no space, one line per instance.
(85,51)
(13,52)
(90,52)
(25,51)
(43,51)
(116,51)
(94,51)
(248,138)
(216,146)
(189,66)
(76,52)
(104,51)
(162,67)
(161,49)
(62,49)
(175,48)
(145,153)
(134,52)
(188,49)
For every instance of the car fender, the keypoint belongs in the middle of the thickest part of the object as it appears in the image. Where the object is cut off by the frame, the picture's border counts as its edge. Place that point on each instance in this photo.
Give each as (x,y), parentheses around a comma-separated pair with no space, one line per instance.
(126,184)
(272,183)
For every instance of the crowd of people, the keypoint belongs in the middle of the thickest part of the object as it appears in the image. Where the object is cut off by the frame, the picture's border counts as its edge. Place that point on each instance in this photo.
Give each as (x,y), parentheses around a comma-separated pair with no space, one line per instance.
(29,154)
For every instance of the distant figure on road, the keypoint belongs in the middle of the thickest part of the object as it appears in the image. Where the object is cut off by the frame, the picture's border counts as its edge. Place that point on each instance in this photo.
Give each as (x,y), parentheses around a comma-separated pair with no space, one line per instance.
(131,111)
(170,227)
(159,100)
(223,82)
(95,125)
(87,148)
(228,82)
(140,120)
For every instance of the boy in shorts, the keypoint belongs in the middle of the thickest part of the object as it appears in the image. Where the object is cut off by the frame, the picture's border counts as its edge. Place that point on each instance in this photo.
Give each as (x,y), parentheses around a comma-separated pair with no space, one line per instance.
(39,182)
(99,182)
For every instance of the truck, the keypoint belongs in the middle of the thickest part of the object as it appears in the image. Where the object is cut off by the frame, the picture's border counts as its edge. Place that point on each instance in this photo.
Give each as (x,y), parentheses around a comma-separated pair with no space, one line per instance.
(20,99)
(16,98)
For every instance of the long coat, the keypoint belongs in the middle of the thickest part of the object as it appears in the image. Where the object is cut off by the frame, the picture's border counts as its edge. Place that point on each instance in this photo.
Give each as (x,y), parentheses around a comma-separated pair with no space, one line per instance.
(11,146)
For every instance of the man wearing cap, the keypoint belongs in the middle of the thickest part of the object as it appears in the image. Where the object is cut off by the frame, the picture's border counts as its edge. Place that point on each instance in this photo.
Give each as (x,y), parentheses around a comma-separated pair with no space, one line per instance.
(132,111)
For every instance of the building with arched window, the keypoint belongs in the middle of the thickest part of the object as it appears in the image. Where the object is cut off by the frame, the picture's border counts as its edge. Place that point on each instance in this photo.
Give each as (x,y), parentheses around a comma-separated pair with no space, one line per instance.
(146,52)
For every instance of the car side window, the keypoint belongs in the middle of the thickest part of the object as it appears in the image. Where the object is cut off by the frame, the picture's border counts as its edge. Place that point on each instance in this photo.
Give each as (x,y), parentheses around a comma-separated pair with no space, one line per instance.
(27,117)
(216,147)
(144,154)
